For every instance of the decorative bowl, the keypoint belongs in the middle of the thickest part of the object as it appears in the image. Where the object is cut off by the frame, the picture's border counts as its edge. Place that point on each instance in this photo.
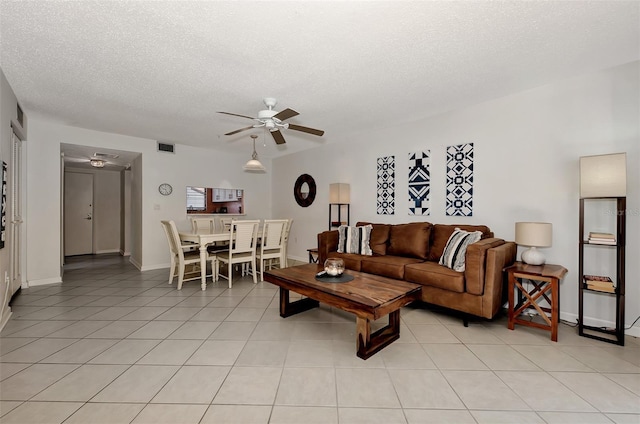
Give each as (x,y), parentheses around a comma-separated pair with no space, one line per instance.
(334,267)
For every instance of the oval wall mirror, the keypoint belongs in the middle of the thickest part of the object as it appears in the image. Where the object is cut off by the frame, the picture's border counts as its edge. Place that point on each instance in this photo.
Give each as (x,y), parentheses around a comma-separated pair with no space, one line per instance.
(304,190)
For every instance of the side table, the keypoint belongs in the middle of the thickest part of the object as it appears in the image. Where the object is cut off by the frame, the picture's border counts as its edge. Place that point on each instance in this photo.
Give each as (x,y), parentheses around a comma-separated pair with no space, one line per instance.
(545,280)
(313,255)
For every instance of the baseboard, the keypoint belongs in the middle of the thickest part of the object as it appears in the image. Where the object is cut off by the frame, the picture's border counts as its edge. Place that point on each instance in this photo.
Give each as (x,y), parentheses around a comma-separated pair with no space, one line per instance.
(303,259)
(42,282)
(135,263)
(101,252)
(596,322)
(6,314)
(123,253)
(153,267)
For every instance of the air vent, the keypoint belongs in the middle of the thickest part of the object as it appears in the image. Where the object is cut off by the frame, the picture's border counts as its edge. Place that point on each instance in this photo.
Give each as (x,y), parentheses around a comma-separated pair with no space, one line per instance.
(105,155)
(166,147)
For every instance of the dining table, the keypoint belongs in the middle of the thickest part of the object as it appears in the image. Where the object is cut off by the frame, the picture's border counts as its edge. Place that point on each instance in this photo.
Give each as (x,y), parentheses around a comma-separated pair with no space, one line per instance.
(203,240)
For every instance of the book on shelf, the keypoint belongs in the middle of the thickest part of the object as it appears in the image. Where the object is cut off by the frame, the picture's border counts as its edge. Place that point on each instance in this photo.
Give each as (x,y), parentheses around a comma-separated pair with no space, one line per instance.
(607,289)
(611,242)
(600,285)
(595,279)
(602,235)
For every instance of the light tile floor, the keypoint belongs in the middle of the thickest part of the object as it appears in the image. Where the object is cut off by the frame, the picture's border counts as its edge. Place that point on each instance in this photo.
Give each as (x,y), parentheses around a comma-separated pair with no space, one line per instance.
(114,345)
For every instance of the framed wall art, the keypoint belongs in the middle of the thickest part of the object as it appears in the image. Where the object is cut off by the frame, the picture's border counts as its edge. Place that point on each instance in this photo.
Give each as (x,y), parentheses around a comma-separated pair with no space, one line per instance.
(419,183)
(3,210)
(459,200)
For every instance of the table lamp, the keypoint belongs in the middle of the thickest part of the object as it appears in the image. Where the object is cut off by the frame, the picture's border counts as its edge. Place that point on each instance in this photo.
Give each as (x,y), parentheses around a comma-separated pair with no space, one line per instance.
(533,235)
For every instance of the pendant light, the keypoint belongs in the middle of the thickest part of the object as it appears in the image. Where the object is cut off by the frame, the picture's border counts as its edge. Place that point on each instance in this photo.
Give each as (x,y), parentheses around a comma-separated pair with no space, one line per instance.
(254,164)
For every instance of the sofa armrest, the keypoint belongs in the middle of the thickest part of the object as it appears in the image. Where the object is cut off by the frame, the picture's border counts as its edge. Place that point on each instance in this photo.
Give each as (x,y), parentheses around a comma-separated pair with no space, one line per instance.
(327,243)
(498,258)
(475,264)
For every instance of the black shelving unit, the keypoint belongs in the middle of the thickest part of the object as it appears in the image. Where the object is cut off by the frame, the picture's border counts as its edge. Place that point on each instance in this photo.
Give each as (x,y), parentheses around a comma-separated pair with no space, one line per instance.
(615,336)
(337,207)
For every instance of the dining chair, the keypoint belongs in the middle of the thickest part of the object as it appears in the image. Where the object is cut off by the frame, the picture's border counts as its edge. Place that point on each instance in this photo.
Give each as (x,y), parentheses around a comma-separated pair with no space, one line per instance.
(287,230)
(242,248)
(225,224)
(181,258)
(271,244)
(203,225)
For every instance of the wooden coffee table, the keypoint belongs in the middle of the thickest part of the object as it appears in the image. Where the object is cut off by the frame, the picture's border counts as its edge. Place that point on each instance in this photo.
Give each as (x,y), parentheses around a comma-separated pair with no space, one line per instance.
(368,296)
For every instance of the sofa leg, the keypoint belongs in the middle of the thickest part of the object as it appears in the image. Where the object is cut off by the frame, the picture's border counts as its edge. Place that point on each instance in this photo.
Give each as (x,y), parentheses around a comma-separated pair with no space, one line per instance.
(465,321)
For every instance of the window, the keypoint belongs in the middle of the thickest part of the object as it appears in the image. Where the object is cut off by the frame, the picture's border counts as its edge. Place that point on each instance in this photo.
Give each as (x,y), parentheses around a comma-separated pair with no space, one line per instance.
(196,198)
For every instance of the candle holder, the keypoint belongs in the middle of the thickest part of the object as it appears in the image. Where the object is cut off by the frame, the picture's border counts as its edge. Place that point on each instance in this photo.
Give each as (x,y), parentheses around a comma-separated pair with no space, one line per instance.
(334,267)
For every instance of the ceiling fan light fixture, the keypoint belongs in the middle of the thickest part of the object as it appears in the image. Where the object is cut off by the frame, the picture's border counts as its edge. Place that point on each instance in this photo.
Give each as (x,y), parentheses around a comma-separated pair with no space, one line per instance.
(97,163)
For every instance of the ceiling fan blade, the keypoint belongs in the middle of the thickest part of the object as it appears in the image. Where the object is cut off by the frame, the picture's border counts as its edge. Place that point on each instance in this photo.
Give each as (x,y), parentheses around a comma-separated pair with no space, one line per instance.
(305,129)
(285,114)
(277,136)
(240,130)
(235,114)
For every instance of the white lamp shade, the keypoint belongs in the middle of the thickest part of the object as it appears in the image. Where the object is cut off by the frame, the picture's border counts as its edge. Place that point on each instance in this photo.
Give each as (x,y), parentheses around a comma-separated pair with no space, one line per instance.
(603,176)
(339,193)
(253,165)
(534,234)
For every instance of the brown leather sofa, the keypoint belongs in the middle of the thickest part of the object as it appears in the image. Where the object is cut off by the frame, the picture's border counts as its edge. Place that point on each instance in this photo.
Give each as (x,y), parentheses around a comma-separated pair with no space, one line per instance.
(411,252)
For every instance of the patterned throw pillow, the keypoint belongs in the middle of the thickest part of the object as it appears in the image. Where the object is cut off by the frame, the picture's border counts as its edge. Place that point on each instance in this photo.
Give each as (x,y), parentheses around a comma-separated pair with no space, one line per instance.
(354,239)
(456,248)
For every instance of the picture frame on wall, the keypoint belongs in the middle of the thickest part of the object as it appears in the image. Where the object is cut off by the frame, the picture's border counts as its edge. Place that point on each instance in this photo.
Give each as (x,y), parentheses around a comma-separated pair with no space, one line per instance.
(3,206)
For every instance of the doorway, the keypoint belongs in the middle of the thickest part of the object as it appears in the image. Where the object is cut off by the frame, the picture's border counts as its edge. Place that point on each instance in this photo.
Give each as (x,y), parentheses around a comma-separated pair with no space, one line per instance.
(16,266)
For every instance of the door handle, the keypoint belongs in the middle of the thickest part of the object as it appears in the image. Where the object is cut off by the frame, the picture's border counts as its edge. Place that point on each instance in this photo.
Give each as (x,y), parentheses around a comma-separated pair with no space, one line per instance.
(88,217)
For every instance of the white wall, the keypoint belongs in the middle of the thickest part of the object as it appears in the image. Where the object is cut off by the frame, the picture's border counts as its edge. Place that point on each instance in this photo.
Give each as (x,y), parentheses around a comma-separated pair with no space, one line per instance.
(527,147)
(188,166)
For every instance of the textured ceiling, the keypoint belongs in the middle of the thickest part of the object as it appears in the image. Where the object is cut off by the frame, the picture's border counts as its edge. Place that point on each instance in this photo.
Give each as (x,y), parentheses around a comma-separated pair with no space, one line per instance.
(162,69)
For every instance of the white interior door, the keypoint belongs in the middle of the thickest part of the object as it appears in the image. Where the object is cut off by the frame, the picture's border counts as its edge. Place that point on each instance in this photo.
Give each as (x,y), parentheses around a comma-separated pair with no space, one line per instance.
(78,214)
(16,215)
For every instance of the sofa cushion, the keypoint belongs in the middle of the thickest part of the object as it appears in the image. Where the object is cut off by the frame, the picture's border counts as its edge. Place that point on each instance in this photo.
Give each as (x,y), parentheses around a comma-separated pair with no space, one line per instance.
(387,266)
(354,239)
(455,250)
(379,237)
(441,234)
(410,240)
(351,260)
(432,274)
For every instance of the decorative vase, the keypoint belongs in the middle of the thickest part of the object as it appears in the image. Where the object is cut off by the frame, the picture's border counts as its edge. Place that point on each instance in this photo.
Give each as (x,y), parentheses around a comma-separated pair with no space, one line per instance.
(334,267)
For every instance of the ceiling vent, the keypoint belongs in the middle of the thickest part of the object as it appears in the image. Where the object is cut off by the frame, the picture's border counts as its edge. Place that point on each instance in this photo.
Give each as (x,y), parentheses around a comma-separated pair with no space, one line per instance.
(105,155)
(166,147)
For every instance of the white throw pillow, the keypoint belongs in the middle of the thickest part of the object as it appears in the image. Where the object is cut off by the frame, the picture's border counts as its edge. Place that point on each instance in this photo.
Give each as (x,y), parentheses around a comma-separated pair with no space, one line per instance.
(456,249)
(354,239)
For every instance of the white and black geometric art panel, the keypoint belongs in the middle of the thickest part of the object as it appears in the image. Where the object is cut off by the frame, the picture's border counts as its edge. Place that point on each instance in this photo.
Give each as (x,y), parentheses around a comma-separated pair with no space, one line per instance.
(386,201)
(460,180)
(419,183)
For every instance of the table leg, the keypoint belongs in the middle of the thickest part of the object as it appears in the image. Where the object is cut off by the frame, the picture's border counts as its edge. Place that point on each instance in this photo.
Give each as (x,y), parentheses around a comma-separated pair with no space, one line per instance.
(555,307)
(203,266)
(510,289)
(370,343)
(288,308)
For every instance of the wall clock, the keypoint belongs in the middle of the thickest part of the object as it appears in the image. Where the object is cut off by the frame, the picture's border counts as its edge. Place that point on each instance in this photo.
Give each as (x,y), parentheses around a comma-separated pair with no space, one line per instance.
(165,189)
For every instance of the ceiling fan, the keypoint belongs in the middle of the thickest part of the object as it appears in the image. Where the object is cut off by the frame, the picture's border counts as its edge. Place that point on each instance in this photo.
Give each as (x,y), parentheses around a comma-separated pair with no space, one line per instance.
(274,121)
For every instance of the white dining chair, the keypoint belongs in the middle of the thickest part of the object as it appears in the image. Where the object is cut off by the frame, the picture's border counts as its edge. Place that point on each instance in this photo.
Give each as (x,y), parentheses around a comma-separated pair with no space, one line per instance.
(203,225)
(225,224)
(287,230)
(271,244)
(180,258)
(242,248)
